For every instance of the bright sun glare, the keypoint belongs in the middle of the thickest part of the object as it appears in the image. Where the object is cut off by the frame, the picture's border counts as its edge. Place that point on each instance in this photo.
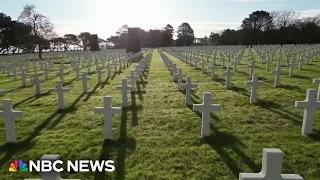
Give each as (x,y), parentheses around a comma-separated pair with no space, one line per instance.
(133,13)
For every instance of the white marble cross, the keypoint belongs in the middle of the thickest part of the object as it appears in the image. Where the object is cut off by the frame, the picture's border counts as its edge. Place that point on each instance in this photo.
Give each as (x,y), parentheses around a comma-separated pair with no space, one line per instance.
(300,63)
(36,81)
(107,110)
(52,175)
(292,65)
(14,71)
(202,65)
(173,70)
(61,73)
(133,78)
(317,81)
(228,74)
(254,84)
(34,63)
(124,88)
(206,108)
(89,66)
(109,69)
(267,61)
(115,65)
(310,105)
(212,69)
(77,70)
(46,71)
(223,61)
(9,114)
(271,168)
(179,76)
(236,62)
(188,87)
(277,74)
(85,79)
(60,90)
(23,78)
(99,73)
(252,65)
(196,63)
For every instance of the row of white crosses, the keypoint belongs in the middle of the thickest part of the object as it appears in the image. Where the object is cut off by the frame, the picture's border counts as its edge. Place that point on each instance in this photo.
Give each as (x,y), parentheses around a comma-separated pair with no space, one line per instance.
(9,114)
(310,105)
(107,110)
(227,75)
(272,158)
(206,107)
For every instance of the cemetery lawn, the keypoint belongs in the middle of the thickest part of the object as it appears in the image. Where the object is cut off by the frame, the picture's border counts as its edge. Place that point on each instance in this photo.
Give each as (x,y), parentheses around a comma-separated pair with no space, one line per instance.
(157,137)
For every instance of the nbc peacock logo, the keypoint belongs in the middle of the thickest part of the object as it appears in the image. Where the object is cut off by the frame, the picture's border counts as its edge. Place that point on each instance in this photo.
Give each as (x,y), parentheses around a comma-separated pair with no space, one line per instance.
(18,166)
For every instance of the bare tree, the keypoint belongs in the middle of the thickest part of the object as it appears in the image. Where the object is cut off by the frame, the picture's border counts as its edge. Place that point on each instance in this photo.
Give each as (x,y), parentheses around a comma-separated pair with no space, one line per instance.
(285,18)
(42,27)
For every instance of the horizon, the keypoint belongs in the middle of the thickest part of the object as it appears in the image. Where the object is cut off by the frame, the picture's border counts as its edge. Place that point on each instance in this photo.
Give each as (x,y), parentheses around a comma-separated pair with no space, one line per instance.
(204,16)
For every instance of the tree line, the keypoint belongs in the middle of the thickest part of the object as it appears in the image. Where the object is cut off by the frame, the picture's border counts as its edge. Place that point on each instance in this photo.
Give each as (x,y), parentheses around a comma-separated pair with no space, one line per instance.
(277,27)
(34,32)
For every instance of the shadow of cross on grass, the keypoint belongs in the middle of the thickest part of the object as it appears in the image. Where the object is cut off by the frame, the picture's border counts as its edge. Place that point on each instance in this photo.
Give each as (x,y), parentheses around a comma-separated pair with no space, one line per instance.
(120,146)
(296,119)
(32,98)
(277,109)
(18,89)
(194,96)
(139,90)
(91,92)
(5,82)
(221,140)
(13,148)
(134,109)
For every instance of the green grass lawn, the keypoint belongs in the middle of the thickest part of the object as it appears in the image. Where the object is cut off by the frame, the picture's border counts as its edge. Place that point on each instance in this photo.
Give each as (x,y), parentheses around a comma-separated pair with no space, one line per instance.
(157,137)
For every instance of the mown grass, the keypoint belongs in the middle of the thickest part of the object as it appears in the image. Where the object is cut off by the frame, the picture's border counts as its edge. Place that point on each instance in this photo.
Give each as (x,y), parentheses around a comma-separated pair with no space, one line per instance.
(157,137)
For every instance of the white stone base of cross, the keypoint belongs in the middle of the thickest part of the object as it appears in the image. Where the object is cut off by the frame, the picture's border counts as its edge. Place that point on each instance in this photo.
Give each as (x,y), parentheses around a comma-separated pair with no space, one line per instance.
(271,168)
(51,175)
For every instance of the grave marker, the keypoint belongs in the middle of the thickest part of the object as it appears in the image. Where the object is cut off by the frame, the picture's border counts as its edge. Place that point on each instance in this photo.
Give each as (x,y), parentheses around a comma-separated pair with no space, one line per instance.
(271,168)
(310,105)
(36,81)
(206,108)
(124,88)
(188,87)
(254,83)
(85,79)
(228,74)
(9,114)
(317,81)
(179,76)
(107,110)
(60,90)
